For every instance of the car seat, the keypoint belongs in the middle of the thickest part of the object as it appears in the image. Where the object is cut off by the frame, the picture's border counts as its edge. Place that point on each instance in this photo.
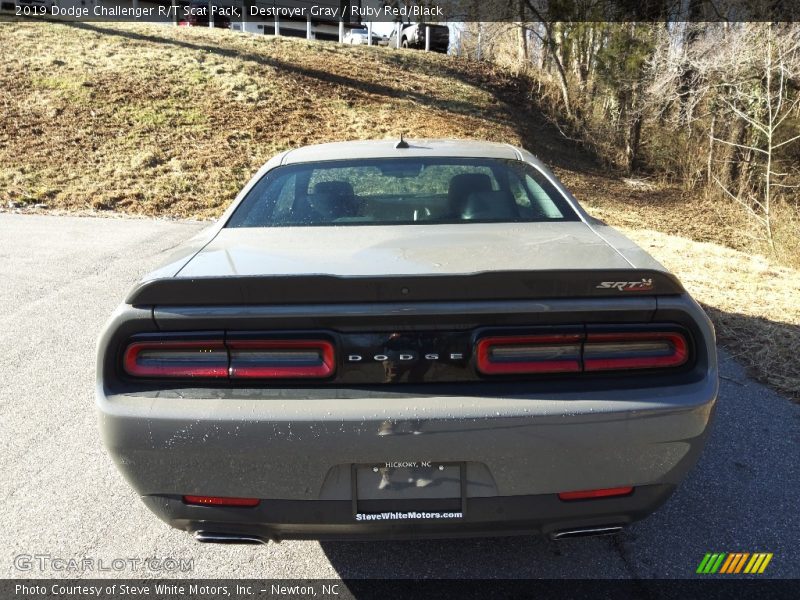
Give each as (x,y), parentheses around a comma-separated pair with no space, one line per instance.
(490,206)
(461,186)
(332,200)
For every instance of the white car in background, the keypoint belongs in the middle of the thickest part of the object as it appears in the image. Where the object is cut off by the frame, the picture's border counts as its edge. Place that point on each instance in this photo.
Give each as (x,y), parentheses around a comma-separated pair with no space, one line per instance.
(357,37)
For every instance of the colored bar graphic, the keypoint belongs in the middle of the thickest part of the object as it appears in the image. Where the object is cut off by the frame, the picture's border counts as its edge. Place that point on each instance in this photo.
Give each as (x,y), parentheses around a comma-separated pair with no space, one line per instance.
(702,567)
(730,563)
(756,559)
(727,564)
(741,562)
(717,564)
(735,556)
(734,563)
(764,564)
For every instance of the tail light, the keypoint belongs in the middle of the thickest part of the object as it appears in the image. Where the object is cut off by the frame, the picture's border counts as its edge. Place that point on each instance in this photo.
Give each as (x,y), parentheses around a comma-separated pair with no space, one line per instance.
(220,501)
(270,359)
(529,354)
(634,350)
(171,358)
(591,352)
(590,494)
(249,358)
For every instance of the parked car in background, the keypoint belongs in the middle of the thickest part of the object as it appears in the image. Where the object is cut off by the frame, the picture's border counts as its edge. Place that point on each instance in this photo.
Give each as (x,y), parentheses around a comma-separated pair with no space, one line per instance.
(412,35)
(357,37)
(421,338)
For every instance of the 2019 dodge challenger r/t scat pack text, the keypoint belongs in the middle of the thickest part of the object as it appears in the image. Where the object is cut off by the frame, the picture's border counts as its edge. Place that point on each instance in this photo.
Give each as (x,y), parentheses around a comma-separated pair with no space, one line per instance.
(405,339)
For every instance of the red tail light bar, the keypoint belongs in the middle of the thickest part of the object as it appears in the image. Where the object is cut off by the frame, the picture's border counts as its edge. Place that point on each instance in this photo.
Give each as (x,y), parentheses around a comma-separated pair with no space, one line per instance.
(270,359)
(529,354)
(243,356)
(234,359)
(634,350)
(172,358)
(591,352)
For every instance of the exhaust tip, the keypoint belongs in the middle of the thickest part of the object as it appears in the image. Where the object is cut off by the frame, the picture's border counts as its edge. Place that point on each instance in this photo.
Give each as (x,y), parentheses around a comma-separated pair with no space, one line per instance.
(207,537)
(586,532)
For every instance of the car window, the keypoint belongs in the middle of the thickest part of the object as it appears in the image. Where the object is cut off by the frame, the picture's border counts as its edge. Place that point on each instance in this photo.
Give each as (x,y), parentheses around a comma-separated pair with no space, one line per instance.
(286,196)
(521,195)
(541,198)
(436,178)
(371,181)
(401,191)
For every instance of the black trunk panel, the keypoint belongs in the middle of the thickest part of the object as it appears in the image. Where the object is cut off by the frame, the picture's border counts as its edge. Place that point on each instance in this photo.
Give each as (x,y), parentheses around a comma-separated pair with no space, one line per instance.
(331,289)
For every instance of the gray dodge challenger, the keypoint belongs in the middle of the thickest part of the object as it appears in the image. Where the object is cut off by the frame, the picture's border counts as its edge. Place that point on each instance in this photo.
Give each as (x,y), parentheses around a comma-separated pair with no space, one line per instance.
(405,339)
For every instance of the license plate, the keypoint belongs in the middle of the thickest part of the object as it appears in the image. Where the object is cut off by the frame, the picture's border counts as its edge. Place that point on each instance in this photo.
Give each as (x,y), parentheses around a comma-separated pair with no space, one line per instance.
(398,491)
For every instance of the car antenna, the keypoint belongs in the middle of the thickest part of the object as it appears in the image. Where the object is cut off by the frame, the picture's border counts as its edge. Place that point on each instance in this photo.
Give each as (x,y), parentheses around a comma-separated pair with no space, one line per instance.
(402,144)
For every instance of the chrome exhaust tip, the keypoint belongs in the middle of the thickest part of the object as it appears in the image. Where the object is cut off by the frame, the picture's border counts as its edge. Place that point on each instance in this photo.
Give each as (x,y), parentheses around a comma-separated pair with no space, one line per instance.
(207,537)
(586,532)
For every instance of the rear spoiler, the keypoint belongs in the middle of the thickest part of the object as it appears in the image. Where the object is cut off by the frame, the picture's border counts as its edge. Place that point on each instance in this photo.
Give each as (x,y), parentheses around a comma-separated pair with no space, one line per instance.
(332,289)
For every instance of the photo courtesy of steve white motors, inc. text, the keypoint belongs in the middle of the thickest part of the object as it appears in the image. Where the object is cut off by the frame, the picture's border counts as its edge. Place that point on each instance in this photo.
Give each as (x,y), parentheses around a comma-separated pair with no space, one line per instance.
(191,590)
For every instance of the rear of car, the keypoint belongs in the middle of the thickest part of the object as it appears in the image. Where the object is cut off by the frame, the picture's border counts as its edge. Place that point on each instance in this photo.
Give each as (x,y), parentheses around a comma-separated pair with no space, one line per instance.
(439,38)
(414,35)
(424,340)
(357,37)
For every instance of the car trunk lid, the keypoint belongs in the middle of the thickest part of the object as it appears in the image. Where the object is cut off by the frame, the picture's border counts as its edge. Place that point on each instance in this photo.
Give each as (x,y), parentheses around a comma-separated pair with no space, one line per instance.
(480,261)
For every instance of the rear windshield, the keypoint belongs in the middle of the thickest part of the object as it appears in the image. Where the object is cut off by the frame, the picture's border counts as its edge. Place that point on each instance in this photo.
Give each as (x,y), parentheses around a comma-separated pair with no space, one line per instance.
(401,192)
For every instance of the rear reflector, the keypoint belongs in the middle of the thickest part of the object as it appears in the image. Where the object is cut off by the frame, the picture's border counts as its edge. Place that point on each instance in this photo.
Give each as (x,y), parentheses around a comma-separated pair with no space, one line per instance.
(634,350)
(529,354)
(603,493)
(172,358)
(220,501)
(271,359)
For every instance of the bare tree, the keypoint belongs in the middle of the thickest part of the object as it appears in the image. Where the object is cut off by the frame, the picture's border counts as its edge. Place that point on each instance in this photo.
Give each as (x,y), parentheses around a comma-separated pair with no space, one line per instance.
(761,101)
(548,36)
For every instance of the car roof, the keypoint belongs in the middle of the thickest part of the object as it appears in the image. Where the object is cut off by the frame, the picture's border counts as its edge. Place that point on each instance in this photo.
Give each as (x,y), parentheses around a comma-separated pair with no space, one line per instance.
(417,148)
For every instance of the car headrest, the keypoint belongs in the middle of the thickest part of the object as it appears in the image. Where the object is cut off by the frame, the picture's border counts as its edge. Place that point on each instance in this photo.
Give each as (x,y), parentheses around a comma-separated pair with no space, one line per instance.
(489,206)
(333,200)
(462,185)
(334,188)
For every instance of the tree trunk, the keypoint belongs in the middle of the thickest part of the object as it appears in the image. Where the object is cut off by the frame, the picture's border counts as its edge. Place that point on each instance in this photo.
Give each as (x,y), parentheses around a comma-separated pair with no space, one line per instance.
(710,160)
(522,56)
(550,43)
(634,142)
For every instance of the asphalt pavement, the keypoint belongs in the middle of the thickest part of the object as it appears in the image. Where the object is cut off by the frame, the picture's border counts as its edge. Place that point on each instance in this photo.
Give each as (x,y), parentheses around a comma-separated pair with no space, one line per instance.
(60,279)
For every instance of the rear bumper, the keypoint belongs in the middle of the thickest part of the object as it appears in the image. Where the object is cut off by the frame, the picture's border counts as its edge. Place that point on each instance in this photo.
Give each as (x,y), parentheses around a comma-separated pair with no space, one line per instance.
(274,520)
(519,451)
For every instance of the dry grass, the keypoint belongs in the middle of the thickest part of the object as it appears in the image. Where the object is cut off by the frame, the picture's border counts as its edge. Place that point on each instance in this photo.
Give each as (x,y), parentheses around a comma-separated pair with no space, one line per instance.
(152,120)
(156,120)
(754,303)
(639,204)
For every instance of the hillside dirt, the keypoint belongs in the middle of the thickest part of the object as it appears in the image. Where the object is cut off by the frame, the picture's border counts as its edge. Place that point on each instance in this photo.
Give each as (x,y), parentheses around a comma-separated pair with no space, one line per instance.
(153,120)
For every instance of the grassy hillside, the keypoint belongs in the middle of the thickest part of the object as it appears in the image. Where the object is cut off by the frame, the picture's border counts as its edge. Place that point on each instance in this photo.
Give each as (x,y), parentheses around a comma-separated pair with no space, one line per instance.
(154,120)
(157,120)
